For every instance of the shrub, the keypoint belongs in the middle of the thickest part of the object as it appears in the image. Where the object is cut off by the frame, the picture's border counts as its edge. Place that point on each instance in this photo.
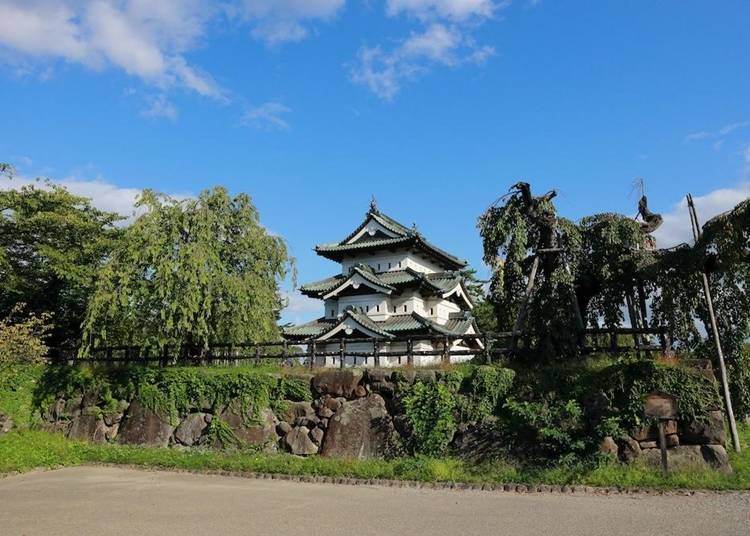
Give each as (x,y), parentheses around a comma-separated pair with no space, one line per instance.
(483,391)
(739,383)
(547,428)
(429,410)
(22,338)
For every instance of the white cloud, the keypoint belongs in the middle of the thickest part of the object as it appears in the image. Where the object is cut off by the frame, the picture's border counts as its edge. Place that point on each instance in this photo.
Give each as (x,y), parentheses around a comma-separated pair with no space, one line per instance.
(300,308)
(103,194)
(676,227)
(146,39)
(267,116)
(457,10)
(383,72)
(281,21)
(719,134)
(159,106)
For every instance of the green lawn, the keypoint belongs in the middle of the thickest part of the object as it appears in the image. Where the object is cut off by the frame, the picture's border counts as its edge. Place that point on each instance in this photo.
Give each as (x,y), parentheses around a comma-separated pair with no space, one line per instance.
(24,450)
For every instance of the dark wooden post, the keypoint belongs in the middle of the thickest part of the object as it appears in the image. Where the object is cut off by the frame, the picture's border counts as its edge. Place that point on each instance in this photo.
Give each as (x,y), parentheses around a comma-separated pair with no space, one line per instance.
(521,318)
(257,355)
(376,352)
(487,348)
(342,352)
(446,350)
(410,351)
(663,447)
(312,354)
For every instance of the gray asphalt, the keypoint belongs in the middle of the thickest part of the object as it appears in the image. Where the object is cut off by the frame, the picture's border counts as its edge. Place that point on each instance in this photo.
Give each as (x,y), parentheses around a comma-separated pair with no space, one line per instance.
(109,500)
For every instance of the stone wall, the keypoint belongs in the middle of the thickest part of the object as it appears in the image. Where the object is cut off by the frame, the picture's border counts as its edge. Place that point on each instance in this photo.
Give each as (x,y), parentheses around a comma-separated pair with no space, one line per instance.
(347,417)
(353,413)
(688,443)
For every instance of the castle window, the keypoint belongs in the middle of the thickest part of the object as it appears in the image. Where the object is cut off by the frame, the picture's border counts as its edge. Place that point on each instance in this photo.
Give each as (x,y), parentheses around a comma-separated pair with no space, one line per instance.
(377,308)
(367,308)
(378,267)
(432,311)
(404,307)
(389,265)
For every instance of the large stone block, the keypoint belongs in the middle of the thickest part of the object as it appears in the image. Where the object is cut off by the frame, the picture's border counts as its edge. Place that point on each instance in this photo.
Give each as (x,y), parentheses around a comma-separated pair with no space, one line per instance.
(650,432)
(88,428)
(359,429)
(691,456)
(337,382)
(298,442)
(142,426)
(190,430)
(704,432)
(479,442)
(260,430)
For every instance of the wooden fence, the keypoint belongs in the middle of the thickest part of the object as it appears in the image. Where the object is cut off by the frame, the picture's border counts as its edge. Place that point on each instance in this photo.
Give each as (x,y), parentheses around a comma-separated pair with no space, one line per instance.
(314,353)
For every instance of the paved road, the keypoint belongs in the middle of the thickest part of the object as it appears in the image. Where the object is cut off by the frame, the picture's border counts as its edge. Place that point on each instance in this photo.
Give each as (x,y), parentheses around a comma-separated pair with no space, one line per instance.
(107,500)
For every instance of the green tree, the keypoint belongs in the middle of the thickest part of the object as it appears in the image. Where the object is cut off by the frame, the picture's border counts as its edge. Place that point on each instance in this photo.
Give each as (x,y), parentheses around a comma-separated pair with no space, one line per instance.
(190,272)
(51,244)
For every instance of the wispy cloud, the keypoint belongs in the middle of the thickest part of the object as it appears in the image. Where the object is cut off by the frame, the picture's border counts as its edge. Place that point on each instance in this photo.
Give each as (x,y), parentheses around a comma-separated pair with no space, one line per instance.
(717,135)
(281,21)
(268,115)
(159,106)
(384,71)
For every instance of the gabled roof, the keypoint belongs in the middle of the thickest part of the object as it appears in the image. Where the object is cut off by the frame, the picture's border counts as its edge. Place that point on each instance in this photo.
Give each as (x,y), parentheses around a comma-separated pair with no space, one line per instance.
(440,283)
(397,235)
(395,325)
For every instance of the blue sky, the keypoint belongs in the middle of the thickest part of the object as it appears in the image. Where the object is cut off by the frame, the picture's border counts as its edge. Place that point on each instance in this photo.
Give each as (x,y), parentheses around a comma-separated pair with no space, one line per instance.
(433,106)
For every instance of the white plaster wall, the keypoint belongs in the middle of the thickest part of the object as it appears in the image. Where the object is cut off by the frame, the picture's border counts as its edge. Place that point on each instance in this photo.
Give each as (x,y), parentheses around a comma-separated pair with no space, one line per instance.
(380,262)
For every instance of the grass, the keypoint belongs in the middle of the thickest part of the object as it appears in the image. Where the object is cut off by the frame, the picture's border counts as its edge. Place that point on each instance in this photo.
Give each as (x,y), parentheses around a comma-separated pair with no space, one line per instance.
(24,450)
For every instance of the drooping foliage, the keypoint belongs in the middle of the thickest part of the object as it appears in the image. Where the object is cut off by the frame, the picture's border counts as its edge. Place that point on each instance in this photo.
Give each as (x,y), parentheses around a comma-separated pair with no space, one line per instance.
(607,265)
(190,272)
(51,244)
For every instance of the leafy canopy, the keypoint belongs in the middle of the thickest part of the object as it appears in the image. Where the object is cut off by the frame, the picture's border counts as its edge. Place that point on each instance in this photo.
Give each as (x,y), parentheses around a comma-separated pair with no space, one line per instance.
(190,272)
(51,245)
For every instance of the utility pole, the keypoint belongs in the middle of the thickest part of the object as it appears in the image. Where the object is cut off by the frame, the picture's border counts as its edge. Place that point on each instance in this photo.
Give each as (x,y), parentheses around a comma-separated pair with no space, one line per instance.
(715,331)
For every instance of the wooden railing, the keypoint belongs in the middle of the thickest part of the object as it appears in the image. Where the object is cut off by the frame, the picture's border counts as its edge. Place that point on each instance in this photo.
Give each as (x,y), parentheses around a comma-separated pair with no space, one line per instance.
(313,353)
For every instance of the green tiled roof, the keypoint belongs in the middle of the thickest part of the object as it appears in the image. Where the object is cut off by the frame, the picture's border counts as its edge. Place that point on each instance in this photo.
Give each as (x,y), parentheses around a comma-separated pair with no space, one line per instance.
(405,238)
(439,282)
(386,221)
(395,325)
(310,329)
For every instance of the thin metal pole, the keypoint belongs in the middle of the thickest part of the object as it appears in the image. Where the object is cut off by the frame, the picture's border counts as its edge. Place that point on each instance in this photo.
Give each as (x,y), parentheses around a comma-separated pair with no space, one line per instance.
(715,332)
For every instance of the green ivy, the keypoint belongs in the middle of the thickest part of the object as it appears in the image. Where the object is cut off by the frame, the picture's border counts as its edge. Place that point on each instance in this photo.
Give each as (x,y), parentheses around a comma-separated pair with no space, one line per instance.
(174,392)
(429,411)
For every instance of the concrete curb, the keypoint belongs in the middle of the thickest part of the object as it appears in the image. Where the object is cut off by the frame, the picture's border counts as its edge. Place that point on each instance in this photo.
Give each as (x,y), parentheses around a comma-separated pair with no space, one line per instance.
(454,486)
